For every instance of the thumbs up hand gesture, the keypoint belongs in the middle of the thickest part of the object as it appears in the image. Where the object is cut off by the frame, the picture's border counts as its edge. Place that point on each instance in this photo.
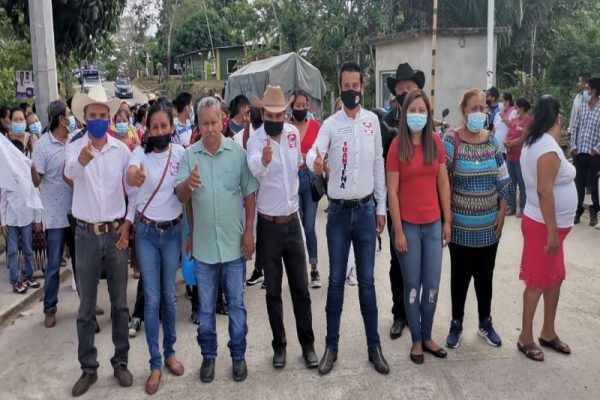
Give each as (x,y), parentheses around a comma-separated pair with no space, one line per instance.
(194,181)
(267,154)
(139,177)
(318,164)
(86,155)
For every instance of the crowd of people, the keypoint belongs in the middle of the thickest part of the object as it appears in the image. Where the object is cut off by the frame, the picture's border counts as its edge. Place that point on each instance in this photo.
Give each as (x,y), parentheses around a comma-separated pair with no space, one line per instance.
(166,182)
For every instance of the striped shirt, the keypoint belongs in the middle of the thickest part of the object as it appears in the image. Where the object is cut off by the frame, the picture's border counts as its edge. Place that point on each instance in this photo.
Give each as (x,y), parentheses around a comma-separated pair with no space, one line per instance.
(587,131)
(479,181)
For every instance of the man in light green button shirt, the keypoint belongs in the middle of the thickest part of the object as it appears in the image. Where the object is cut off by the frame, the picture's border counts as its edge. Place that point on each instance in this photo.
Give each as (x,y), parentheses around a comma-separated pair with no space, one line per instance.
(213,176)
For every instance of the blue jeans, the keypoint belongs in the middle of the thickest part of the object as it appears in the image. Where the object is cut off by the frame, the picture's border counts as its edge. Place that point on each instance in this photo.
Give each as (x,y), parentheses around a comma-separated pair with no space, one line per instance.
(12,247)
(158,253)
(356,226)
(308,214)
(516,176)
(232,275)
(421,269)
(55,242)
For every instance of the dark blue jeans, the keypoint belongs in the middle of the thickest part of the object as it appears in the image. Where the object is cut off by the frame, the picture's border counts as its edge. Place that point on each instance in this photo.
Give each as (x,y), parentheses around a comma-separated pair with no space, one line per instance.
(421,269)
(356,226)
(12,251)
(55,243)
(158,253)
(232,275)
(516,176)
(308,214)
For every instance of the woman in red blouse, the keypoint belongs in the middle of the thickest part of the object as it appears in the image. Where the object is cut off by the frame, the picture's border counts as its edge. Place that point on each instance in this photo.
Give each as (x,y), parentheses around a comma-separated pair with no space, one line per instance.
(418,196)
(309,129)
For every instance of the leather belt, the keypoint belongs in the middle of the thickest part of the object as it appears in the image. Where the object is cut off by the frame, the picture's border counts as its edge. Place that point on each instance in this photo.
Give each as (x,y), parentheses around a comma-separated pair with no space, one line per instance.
(160,225)
(99,228)
(352,203)
(280,220)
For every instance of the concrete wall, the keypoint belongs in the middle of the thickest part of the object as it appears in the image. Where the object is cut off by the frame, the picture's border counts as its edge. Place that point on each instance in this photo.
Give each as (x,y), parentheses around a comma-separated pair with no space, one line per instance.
(461,64)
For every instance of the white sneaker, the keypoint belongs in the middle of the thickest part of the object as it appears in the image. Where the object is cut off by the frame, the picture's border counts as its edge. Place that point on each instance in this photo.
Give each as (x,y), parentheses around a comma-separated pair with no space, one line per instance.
(597,226)
(134,327)
(351,279)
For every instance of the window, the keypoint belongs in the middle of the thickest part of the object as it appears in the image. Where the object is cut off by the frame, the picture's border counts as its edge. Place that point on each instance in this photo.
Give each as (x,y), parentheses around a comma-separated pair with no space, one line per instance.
(231,65)
(384,92)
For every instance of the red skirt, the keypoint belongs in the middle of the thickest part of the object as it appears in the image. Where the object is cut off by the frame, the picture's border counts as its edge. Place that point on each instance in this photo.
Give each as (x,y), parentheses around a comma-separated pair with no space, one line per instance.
(539,270)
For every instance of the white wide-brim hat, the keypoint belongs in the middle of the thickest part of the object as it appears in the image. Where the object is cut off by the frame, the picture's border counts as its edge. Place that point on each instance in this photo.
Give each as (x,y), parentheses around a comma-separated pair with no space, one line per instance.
(95,95)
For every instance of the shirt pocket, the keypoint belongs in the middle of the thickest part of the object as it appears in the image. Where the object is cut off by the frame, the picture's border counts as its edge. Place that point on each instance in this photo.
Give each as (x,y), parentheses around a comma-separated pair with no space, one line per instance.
(231,180)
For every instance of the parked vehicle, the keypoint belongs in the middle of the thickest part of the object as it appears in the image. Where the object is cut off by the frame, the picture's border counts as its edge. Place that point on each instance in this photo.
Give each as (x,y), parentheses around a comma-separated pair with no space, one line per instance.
(124,88)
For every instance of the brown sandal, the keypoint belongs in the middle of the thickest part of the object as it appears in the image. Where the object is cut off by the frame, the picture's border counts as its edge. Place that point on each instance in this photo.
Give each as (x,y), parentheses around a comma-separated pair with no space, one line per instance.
(556,344)
(532,351)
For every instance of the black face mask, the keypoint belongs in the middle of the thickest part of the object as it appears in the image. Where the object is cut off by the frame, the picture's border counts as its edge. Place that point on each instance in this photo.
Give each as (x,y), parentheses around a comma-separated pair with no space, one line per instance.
(400,98)
(351,99)
(300,115)
(273,128)
(157,143)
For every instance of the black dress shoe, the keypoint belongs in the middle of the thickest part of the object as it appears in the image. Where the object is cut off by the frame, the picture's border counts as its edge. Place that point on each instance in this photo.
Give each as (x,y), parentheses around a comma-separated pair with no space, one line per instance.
(439,353)
(83,383)
(417,358)
(376,358)
(593,218)
(577,218)
(279,359)
(329,358)
(207,370)
(310,357)
(397,328)
(123,375)
(240,370)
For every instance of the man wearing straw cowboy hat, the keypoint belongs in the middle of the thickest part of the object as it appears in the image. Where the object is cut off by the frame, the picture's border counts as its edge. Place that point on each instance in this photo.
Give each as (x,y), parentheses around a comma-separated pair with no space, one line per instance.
(97,164)
(274,157)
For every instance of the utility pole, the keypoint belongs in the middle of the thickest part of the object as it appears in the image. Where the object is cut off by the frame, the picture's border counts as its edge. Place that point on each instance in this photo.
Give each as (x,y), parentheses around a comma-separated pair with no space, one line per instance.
(433,52)
(491,70)
(41,26)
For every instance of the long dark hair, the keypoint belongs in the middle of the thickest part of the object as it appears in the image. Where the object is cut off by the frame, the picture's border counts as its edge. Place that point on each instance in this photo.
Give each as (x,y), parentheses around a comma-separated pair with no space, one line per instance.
(155,109)
(406,148)
(545,113)
(235,106)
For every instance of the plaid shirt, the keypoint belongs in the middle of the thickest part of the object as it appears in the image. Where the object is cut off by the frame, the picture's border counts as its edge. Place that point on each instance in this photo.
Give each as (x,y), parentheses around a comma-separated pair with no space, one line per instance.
(587,132)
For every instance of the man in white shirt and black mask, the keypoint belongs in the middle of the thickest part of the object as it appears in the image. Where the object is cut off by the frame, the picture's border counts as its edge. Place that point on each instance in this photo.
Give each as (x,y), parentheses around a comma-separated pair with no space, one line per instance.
(97,164)
(274,158)
(351,140)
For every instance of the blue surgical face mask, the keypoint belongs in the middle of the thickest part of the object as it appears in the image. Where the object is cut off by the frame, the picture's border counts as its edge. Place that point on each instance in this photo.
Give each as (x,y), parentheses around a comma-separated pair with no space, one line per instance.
(72,124)
(97,128)
(36,128)
(416,122)
(122,128)
(476,121)
(586,96)
(18,128)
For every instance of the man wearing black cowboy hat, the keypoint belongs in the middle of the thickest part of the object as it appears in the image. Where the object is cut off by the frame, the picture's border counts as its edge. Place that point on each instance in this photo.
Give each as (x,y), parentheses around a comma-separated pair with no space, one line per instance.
(406,80)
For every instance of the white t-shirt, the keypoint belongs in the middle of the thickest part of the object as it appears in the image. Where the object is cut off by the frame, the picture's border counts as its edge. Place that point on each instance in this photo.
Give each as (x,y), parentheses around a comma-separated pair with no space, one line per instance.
(165,206)
(565,193)
(502,129)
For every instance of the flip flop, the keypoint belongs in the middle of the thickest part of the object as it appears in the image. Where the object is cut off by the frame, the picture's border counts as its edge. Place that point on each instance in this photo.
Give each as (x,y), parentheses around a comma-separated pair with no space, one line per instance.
(556,344)
(532,351)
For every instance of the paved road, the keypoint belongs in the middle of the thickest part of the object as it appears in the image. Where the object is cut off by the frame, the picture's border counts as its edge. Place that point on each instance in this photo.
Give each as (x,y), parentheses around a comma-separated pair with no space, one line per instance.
(42,364)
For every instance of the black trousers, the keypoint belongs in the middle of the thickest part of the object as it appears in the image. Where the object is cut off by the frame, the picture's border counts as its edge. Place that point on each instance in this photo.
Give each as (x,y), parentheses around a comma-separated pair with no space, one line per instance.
(587,167)
(396,280)
(476,262)
(285,243)
(138,309)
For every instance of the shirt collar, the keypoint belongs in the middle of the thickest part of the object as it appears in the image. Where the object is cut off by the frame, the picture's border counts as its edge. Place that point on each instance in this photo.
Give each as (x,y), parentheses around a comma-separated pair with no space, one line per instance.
(55,140)
(347,118)
(199,147)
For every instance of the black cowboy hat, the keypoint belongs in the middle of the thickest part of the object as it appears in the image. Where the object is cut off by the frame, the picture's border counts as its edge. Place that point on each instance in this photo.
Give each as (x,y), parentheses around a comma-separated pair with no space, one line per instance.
(406,73)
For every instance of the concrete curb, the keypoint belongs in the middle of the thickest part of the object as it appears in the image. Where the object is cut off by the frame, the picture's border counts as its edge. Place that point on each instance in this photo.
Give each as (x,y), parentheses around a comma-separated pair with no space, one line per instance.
(29,299)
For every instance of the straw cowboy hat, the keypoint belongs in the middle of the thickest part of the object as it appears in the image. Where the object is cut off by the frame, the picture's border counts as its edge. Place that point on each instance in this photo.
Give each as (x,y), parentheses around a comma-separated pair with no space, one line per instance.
(95,95)
(273,100)
(406,73)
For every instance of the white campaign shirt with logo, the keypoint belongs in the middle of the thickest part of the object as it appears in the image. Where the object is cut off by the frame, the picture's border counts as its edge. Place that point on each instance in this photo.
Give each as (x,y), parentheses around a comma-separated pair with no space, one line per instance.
(355,157)
(165,206)
(99,188)
(279,183)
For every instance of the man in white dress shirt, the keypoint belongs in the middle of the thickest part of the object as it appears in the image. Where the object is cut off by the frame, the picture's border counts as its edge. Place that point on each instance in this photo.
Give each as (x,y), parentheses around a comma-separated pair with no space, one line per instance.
(274,157)
(97,164)
(357,207)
